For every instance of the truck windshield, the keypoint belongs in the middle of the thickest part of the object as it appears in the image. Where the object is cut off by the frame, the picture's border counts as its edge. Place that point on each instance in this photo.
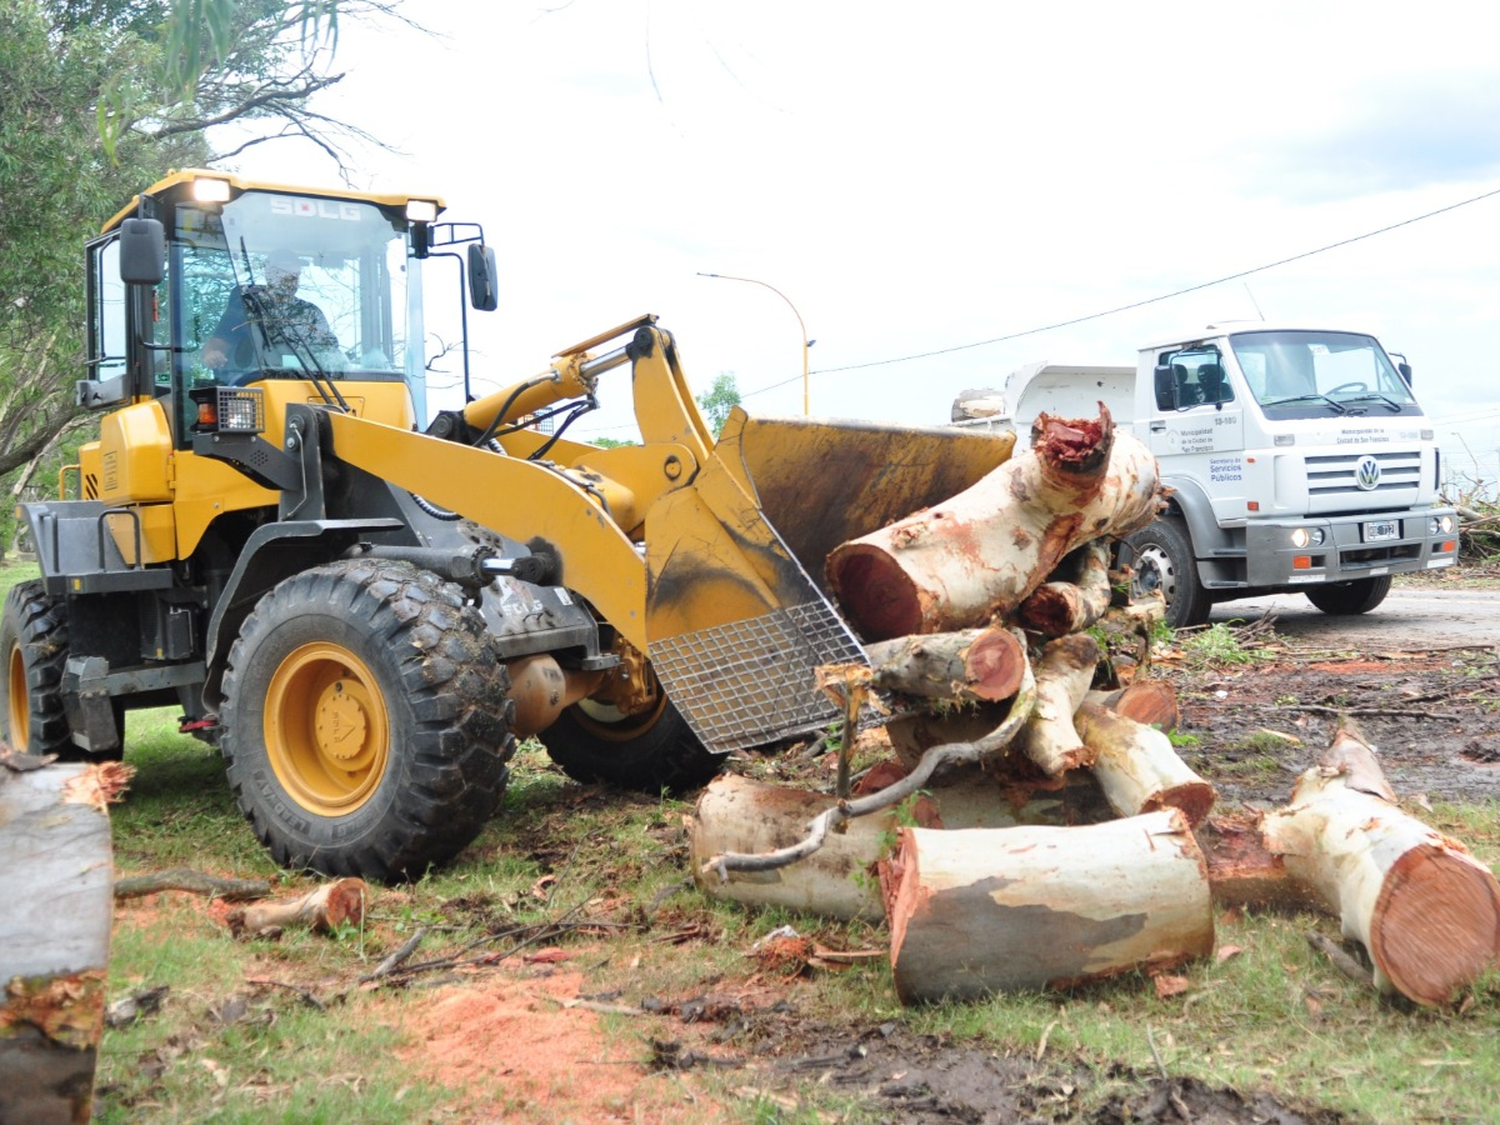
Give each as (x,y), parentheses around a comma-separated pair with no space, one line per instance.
(276,285)
(1296,374)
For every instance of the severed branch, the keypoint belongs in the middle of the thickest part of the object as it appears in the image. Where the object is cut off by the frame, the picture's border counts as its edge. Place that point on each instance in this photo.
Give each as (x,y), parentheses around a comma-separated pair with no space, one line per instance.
(953,753)
(1057,608)
(186,879)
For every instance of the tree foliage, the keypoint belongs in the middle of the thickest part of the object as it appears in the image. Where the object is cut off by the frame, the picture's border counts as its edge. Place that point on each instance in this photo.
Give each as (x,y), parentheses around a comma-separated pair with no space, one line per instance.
(101,98)
(722,397)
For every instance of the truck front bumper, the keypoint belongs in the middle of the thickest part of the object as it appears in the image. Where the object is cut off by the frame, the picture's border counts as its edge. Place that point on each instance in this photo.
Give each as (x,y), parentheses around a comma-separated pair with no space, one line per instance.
(1343,548)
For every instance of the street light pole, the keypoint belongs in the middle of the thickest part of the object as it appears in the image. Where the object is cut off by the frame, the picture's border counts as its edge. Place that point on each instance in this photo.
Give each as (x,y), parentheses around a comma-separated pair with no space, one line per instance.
(806,343)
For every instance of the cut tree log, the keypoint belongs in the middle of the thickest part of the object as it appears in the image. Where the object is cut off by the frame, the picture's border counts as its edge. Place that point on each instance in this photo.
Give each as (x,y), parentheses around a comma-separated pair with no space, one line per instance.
(737,814)
(1057,608)
(961,563)
(1152,703)
(1138,768)
(973,665)
(322,910)
(1424,908)
(1063,677)
(980,911)
(54,936)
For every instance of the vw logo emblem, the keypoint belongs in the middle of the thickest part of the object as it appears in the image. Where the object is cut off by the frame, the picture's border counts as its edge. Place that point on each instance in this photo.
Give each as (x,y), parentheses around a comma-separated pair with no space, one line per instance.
(1367,473)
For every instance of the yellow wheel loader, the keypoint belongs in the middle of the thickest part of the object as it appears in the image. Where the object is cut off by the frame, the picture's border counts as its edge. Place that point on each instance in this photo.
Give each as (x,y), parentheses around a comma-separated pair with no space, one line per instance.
(363,609)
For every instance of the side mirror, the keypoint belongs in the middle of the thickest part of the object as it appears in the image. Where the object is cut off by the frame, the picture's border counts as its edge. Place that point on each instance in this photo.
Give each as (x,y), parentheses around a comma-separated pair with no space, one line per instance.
(1166,387)
(484,278)
(1405,369)
(143,252)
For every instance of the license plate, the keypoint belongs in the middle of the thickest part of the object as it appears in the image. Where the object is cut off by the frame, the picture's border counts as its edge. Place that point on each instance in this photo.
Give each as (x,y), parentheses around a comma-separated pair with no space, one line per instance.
(1382,529)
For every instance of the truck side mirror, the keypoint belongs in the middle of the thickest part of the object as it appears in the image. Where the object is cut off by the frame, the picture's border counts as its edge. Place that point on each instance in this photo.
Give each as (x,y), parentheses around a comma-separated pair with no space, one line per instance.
(1405,369)
(1166,387)
(484,278)
(143,252)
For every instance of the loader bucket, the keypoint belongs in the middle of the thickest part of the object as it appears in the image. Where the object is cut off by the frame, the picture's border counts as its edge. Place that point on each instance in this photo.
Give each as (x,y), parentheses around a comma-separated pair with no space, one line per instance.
(737,609)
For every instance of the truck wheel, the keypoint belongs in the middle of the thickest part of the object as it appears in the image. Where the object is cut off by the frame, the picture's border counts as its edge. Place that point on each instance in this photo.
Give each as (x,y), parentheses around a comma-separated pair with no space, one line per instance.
(650,753)
(1164,561)
(1344,599)
(366,721)
(34,639)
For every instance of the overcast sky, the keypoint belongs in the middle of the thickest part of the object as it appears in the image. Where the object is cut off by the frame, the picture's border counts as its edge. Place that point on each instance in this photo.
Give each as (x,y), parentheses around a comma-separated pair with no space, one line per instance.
(920,178)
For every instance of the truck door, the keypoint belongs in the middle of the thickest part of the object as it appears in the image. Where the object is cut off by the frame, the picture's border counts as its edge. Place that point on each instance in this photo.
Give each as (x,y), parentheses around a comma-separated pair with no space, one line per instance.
(1198,433)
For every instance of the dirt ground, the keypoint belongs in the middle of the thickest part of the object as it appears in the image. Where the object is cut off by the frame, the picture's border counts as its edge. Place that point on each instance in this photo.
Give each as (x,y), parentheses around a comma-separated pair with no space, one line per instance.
(1432,712)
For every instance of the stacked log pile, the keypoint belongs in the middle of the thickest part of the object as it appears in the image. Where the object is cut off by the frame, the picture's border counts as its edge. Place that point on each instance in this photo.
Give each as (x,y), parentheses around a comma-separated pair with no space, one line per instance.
(1053,842)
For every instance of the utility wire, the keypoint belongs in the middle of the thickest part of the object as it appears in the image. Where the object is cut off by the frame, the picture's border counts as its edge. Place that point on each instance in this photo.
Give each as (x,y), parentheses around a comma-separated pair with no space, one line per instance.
(1134,304)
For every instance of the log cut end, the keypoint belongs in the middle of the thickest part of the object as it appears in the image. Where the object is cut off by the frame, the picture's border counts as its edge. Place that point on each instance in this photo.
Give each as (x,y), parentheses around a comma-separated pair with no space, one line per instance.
(1436,924)
(1073,445)
(996,664)
(880,598)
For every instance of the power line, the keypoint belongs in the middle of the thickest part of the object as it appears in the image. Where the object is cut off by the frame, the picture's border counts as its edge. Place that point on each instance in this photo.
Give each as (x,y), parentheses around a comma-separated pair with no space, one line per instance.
(1136,304)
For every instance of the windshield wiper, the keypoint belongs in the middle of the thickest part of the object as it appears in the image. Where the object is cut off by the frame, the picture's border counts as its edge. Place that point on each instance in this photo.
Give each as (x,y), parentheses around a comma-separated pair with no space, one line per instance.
(1306,398)
(1391,404)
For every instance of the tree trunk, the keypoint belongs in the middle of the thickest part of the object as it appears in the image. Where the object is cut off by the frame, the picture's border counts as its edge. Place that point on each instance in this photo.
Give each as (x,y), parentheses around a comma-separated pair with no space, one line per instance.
(1424,908)
(1057,608)
(54,940)
(974,665)
(1063,676)
(960,563)
(978,911)
(1138,768)
(1152,703)
(736,814)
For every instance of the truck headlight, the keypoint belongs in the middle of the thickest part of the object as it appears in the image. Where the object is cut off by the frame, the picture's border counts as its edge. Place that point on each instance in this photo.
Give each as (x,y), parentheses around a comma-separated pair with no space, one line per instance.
(1440,525)
(1307,536)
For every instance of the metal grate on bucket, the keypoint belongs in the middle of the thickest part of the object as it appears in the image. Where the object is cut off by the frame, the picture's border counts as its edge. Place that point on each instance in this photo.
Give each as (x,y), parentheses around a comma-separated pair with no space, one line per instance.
(752,682)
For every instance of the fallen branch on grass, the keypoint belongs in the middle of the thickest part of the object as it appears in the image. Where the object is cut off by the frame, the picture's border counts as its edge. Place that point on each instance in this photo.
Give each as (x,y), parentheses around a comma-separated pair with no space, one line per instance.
(322,910)
(196,882)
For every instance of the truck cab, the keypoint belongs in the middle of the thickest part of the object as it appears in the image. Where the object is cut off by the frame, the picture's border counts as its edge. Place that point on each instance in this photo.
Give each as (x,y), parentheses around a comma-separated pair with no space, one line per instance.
(1298,458)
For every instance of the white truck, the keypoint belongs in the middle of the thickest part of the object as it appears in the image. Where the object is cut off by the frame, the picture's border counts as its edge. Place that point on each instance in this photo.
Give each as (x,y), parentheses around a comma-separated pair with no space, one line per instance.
(1298,458)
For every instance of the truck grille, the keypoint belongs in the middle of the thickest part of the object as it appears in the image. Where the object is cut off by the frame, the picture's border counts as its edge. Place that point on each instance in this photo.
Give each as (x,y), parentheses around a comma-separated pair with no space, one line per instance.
(1333,480)
(753,682)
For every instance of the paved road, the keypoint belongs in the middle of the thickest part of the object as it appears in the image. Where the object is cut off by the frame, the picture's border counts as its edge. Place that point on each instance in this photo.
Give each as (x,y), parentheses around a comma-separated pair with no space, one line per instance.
(1408,618)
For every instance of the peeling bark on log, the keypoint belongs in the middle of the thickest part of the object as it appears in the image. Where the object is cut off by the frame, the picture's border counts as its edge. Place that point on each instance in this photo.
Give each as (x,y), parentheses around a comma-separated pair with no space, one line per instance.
(322,910)
(737,814)
(54,939)
(958,564)
(978,665)
(1152,703)
(1063,676)
(1057,608)
(979,911)
(1138,768)
(1424,908)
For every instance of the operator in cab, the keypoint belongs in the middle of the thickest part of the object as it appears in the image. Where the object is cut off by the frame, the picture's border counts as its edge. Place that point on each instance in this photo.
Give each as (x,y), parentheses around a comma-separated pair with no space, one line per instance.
(269,327)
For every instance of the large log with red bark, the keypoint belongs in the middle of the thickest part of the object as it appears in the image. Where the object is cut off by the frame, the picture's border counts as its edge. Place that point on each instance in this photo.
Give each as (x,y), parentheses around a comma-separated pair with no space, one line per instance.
(1427,912)
(963,562)
(980,911)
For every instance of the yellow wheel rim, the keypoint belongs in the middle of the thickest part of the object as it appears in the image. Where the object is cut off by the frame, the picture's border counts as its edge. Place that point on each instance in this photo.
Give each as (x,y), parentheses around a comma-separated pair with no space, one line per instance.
(20,701)
(611,725)
(327,730)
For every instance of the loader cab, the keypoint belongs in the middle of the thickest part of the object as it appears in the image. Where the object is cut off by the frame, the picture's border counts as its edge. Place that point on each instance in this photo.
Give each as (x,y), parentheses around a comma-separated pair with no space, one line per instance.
(308,295)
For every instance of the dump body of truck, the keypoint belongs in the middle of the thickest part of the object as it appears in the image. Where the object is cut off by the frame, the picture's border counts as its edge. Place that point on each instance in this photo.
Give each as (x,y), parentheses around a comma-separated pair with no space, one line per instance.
(1298,458)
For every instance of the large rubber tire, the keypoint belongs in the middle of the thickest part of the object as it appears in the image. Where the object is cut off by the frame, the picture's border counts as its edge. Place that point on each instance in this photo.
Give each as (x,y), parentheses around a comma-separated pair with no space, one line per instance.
(34,641)
(651,753)
(366,720)
(1343,599)
(1164,561)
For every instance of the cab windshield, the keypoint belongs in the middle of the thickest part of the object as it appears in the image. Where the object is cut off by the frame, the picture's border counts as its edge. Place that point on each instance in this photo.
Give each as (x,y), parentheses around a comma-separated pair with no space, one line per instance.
(1299,374)
(277,285)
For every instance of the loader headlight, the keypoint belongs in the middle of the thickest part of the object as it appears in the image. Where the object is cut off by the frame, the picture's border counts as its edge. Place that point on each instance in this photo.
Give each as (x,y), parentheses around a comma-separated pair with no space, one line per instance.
(230,410)
(207,189)
(420,210)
